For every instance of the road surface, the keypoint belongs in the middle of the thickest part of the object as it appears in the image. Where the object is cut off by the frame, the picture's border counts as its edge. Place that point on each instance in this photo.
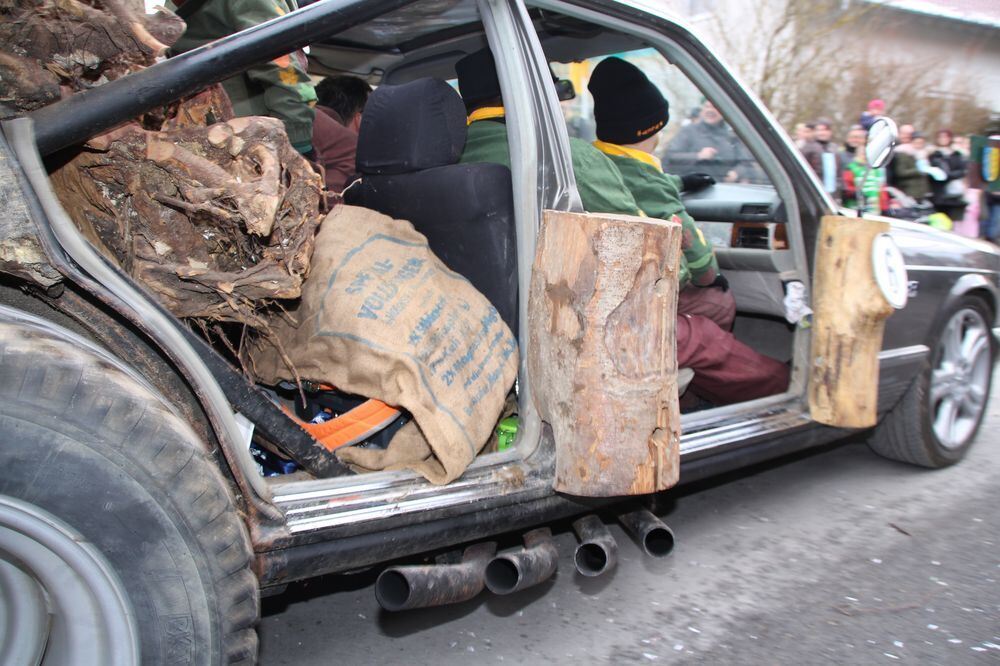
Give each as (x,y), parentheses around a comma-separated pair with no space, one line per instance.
(836,556)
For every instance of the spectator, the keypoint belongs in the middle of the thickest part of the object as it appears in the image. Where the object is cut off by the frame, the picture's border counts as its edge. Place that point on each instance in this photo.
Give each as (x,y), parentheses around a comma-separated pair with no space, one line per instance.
(990,223)
(279,88)
(335,132)
(873,187)
(876,108)
(710,146)
(803,134)
(830,166)
(961,145)
(805,140)
(948,193)
(855,138)
(905,134)
(907,171)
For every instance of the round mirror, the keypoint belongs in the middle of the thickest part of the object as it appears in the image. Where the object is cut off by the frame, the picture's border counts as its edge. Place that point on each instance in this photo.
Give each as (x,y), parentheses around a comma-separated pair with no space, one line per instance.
(882,136)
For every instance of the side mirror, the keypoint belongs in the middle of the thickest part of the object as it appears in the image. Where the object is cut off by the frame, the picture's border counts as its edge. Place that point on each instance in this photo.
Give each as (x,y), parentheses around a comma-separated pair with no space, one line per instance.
(565,90)
(882,137)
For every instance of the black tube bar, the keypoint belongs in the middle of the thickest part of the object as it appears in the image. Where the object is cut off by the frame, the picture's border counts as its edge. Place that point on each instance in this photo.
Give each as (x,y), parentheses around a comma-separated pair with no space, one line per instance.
(78,118)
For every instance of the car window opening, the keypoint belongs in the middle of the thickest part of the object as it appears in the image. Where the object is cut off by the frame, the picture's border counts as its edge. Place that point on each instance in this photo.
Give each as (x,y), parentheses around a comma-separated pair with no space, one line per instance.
(448,173)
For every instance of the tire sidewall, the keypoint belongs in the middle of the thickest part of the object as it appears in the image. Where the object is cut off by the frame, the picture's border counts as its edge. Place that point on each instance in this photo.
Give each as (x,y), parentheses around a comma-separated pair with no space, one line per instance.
(938,452)
(98,490)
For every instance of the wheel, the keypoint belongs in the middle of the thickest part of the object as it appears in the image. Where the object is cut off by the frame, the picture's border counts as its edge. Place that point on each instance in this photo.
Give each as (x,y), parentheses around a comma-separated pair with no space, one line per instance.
(937,418)
(119,539)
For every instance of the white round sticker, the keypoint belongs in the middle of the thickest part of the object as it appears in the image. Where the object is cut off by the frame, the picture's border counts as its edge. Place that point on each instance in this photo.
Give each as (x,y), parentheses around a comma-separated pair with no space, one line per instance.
(890,270)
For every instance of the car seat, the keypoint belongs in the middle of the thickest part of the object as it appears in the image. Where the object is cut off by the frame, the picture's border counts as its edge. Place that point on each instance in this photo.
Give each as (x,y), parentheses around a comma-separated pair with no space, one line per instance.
(411,138)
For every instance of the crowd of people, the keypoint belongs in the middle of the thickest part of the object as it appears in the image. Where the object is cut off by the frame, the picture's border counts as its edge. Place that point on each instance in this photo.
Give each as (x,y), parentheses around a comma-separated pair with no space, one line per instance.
(926,180)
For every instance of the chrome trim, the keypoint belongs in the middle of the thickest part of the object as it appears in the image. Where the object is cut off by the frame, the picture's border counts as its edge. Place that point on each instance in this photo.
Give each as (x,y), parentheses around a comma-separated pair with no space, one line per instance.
(950,269)
(741,432)
(315,505)
(903,352)
(996,334)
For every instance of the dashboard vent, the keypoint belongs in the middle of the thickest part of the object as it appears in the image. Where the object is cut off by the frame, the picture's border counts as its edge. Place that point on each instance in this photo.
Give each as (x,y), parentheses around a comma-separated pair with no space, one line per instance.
(756,238)
(755,209)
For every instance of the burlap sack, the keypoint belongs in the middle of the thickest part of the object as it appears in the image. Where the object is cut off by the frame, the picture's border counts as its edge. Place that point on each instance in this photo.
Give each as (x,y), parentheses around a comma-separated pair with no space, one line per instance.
(381,316)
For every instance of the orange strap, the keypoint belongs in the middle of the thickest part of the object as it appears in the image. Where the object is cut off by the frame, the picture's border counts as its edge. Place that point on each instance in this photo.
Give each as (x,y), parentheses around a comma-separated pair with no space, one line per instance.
(350,427)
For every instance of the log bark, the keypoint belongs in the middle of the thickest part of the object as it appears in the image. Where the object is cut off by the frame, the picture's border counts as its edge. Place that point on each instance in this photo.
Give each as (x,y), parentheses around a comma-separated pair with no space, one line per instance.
(849,320)
(53,48)
(602,353)
(218,221)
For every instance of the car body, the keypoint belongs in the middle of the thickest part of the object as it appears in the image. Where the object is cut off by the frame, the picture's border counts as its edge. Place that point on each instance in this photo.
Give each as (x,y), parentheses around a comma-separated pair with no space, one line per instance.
(300,528)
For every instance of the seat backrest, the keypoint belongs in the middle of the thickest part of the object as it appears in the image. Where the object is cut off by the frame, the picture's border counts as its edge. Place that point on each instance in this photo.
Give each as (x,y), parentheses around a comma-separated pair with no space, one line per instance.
(411,139)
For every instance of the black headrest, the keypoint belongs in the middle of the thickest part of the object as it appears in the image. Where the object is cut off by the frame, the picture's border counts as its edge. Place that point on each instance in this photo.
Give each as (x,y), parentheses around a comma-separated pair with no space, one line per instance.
(411,127)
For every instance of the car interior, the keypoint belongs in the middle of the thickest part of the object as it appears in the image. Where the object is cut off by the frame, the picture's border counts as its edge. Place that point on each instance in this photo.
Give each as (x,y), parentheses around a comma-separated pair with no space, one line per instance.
(468,212)
(744,221)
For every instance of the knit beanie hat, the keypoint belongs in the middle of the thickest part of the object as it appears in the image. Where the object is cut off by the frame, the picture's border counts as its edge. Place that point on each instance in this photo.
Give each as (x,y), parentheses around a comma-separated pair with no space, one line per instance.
(477,77)
(627,106)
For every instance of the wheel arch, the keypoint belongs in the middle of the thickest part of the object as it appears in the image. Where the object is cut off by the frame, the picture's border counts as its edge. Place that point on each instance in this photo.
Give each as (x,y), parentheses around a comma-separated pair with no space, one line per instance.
(978,286)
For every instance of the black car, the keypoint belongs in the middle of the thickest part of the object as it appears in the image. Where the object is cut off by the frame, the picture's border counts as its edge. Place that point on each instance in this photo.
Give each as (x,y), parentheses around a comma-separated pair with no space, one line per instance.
(135,525)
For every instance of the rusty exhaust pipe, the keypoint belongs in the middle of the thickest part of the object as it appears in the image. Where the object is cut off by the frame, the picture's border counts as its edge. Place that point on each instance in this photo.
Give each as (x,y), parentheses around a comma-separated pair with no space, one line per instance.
(649,532)
(598,550)
(533,564)
(423,586)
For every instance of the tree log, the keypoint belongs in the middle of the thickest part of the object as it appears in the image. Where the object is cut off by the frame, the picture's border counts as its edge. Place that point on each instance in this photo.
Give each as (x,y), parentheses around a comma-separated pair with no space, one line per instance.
(850,314)
(602,352)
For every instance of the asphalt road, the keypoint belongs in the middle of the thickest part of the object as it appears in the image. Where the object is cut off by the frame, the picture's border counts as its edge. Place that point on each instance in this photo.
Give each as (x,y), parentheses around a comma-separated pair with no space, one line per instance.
(833,557)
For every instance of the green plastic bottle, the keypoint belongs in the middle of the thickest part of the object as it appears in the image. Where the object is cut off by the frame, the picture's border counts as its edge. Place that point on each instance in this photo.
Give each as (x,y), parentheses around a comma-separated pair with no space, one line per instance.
(506,432)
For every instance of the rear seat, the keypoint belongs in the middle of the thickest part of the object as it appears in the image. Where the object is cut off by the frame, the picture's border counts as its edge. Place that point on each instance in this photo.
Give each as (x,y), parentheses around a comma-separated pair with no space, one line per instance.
(410,141)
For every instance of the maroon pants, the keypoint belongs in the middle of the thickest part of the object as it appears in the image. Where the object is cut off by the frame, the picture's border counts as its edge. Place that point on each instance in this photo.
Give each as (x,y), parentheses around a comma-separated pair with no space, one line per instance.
(725,369)
(711,302)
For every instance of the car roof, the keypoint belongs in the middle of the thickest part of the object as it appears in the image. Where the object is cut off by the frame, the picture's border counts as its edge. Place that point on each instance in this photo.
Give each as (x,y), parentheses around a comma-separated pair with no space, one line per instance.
(427,38)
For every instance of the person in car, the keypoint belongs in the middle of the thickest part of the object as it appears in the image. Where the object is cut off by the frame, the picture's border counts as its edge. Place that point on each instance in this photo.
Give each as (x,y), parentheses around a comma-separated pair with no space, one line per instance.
(631,113)
(335,132)
(598,181)
(279,88)
(725,370)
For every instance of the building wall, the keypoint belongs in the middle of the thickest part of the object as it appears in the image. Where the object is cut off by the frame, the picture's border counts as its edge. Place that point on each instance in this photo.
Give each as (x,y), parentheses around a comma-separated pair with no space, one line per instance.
(962,56)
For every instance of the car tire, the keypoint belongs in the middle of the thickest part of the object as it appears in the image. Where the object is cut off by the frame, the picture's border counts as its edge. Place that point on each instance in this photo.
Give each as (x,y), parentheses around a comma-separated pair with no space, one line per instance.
(114,523)
(936,420)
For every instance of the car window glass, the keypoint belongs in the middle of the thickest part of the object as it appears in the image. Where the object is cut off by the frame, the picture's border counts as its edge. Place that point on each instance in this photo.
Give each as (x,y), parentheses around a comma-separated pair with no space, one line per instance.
(697,138)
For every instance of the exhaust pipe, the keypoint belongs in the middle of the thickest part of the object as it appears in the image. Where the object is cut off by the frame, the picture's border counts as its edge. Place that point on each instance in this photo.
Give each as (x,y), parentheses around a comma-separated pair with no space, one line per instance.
(649,532)
(598,550)
(533,564)
(423,586)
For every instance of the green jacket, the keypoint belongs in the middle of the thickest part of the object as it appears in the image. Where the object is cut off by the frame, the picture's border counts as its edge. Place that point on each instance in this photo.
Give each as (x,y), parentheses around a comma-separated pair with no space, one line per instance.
(279,88)
(601,187)
(658,195)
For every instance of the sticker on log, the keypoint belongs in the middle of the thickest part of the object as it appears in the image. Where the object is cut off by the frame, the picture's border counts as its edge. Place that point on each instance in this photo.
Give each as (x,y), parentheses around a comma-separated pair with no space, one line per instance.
(602,353)
(851,310)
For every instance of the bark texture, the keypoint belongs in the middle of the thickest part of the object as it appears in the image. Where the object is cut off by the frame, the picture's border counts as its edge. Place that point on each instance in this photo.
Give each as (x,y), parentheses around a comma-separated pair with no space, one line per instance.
(218,221)
(53,48)
(602,354)
(848,324)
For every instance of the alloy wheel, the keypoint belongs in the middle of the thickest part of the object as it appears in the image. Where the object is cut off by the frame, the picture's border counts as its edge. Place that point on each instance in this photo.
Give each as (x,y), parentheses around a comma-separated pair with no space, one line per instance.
(960,378)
